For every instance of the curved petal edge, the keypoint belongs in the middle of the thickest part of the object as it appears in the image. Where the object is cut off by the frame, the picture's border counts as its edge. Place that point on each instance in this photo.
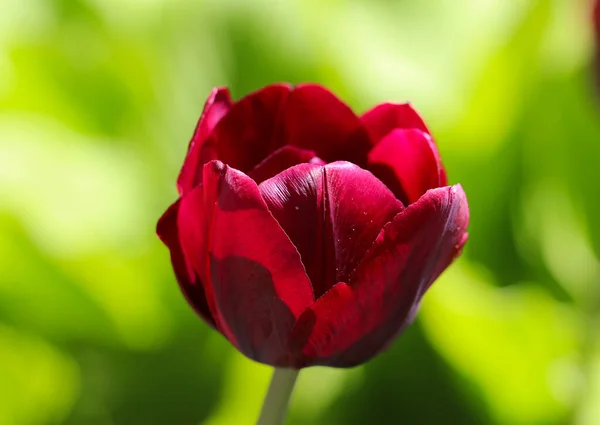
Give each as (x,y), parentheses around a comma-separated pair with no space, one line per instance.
(356,320)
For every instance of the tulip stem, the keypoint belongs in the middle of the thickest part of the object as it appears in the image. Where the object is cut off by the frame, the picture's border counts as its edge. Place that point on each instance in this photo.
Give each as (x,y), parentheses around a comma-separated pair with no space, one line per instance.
(278,397)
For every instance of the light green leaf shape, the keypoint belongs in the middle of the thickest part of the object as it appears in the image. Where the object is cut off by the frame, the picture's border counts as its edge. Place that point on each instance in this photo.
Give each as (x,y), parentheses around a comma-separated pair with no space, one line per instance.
(38,384)
(517,344)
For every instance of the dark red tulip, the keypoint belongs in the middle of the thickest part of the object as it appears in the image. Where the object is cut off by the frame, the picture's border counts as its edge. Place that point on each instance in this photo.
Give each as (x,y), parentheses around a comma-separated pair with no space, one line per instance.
(307,235)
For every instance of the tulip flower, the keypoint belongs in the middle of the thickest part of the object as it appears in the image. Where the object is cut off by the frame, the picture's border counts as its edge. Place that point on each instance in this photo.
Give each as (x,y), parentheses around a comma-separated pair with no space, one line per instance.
(305,234)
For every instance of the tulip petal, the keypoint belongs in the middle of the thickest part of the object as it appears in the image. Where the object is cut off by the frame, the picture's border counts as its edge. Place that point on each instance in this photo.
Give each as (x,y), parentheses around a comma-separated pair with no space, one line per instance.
(307,116)
(282,159)
(216,107)
(332,214)
(408,162)
(249,132)
(188,280)
(384,118)
(194,227)
(254,271)
(316,120)
(353,322)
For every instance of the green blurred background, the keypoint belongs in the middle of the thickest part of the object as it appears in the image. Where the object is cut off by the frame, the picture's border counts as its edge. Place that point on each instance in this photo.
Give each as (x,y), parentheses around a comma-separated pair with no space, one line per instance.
(98,99)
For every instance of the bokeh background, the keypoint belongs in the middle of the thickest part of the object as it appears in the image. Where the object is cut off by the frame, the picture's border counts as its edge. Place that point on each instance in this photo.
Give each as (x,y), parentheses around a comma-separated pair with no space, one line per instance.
(98,99)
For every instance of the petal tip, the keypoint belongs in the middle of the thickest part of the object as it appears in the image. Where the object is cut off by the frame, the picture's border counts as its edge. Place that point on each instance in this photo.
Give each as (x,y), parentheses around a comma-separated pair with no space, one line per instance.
(220,93)
(217,167)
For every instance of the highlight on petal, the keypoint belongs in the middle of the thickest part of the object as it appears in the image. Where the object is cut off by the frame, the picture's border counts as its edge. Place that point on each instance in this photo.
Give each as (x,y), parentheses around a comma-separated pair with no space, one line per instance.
(408,162)
(315,119)
(217,105)
(354,321)
(254,271)
(332,214)
(384,118)
(249,132)
(282,159)
(188,280)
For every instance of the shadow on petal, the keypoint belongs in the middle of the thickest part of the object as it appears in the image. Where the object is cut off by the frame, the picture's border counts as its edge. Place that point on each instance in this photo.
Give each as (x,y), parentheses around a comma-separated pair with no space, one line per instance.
(248,301)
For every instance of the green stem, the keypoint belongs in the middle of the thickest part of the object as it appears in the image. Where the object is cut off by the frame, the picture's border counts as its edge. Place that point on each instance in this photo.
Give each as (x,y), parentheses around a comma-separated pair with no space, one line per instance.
(278,397)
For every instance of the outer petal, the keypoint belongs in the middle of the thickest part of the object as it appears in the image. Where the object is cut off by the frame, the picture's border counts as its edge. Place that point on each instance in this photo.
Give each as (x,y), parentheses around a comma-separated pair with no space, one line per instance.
(254,271)
(249,132)
(188,280)
(353,322)
(282,159)
(332,214)
(408,162)
(216,107)
(317,120)
(384,118)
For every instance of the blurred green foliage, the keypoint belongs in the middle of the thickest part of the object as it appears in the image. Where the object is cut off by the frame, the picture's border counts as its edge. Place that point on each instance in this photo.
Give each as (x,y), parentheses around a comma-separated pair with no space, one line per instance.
(98,99)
